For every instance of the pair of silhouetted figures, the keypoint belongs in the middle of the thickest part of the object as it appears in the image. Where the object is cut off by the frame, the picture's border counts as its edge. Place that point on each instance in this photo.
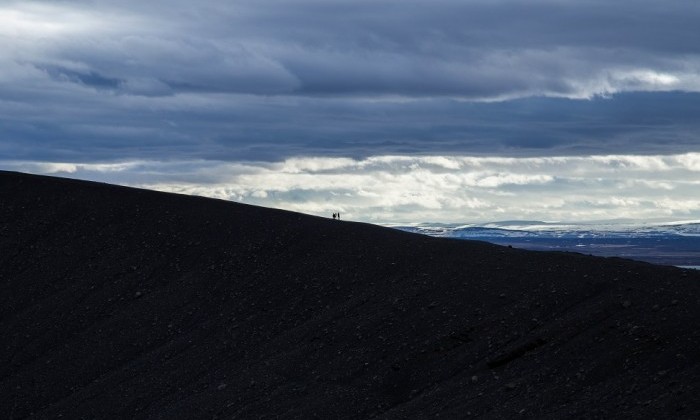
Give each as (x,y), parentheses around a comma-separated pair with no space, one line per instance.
(336,216)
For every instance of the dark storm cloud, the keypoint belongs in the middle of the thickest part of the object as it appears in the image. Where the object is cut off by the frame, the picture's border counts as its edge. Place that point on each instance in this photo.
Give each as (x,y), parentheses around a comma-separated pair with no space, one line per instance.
(85,80)
(475,49)
(243,128)
(89,78)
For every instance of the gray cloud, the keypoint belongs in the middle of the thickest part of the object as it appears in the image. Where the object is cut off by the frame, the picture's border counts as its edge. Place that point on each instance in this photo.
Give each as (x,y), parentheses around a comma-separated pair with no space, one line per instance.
(100,80)
(88,126)
(474,49)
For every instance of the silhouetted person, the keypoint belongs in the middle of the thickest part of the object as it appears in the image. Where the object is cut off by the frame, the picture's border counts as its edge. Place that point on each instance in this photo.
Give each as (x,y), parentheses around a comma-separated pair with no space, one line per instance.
(333,216)
(338,215)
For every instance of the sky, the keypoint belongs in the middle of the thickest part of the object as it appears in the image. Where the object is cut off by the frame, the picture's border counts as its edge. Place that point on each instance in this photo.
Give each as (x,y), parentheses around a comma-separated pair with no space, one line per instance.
(388,111)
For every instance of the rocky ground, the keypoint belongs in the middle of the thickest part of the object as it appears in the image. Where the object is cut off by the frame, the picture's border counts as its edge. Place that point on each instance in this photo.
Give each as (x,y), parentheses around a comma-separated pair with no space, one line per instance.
(124,303)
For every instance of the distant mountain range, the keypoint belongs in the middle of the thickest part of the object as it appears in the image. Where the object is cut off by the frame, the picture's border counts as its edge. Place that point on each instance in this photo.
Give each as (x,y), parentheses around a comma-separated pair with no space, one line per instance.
(675,243)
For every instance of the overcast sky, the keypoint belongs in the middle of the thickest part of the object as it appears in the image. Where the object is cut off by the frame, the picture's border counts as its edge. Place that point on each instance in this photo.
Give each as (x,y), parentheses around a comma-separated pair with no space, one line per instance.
(385,110)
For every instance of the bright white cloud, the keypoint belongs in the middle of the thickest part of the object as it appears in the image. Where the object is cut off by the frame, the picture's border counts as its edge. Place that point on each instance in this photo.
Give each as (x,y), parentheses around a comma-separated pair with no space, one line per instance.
(29,20)
(405,189)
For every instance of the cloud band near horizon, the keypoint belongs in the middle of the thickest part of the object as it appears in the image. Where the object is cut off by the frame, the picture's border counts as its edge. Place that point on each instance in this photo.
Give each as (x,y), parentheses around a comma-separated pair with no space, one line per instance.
(410,189)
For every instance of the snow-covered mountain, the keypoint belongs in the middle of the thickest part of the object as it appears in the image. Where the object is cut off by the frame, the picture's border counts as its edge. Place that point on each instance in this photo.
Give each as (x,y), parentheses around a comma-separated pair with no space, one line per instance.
(673,243)
(533,229)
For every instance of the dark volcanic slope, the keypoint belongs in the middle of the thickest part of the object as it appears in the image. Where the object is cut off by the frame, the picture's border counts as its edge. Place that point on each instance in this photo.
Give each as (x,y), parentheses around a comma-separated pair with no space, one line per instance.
(124,303)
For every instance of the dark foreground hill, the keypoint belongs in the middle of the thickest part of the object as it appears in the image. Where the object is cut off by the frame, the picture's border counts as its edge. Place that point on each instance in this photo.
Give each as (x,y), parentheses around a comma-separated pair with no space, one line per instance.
(124,303)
